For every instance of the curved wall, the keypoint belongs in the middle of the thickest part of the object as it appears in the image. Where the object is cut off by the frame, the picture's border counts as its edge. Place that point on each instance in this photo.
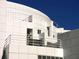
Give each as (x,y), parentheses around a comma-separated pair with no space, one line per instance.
(14,20)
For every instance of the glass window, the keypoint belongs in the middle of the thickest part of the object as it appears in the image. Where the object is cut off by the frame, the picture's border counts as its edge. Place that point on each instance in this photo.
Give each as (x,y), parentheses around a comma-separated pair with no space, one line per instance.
(44,57)
(39,31)
(39,57)
(48,29)
(29,36)
(53,36)
(57,57)
(48,57)
(29,31)
(30,18)
(52,57)
(61,58)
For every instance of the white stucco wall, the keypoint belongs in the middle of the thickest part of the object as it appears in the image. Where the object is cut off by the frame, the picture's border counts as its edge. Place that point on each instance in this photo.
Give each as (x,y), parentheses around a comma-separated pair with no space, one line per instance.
(12,16)
(14,21)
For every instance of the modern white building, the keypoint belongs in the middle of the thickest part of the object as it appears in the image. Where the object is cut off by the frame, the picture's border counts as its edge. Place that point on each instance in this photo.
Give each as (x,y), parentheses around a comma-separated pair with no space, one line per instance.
(26,33)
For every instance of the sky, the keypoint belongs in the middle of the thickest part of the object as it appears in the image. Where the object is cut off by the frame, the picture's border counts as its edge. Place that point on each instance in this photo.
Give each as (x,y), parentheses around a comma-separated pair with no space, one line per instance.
(65,13)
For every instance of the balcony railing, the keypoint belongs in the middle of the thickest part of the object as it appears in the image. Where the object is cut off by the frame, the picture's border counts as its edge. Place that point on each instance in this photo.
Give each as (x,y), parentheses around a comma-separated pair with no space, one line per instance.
(35,42)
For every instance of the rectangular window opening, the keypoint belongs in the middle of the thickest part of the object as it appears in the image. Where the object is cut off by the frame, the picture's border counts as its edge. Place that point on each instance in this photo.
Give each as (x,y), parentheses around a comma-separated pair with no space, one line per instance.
(30,18)
(48,29)
(29,33)
(48,57)
(39,31)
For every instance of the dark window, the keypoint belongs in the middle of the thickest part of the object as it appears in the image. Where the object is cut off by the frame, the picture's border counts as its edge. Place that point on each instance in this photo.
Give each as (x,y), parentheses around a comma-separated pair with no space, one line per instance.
(39,31)
(52,57)
(30,18)
(31,41)
(53,36)
(39,57)
(48,29)
(44,57)
(29,33)
(57,57)
(48,57)
(61,58)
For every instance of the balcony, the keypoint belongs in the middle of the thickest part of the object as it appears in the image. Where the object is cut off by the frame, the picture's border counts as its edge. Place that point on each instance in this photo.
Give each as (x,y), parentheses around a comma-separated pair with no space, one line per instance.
(35,42)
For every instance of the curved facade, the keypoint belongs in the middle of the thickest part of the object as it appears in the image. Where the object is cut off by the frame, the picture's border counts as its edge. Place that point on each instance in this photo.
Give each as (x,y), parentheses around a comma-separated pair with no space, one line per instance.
(25,32)
(13,13)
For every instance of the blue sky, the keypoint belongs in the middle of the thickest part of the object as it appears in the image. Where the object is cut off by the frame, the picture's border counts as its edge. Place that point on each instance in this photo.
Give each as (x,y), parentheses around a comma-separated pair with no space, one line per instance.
(64,12)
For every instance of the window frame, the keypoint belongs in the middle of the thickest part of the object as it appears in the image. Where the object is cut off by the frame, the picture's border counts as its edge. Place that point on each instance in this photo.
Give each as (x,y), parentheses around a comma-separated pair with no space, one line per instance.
(39,31)
(30,18)
(48,30)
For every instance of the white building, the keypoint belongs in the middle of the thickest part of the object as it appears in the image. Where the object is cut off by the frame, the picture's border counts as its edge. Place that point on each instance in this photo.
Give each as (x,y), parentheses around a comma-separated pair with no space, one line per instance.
(26,33)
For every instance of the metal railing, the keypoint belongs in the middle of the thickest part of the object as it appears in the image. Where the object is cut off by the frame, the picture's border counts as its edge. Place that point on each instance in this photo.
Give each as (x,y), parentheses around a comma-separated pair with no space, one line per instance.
(41,42)
(35,42)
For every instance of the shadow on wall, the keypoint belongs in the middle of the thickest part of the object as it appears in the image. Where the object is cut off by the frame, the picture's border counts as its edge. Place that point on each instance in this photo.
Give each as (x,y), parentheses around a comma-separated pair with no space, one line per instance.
(4,54)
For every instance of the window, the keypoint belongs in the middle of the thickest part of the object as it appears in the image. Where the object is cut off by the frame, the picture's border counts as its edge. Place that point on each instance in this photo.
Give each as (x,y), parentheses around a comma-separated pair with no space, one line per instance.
(53,36)
(44,57)
(30,18)
(39,57)
(52,58)
(29,36)
(39,31)
(48,29)
(48,57)
(31,41)
(29,33)
(61,58)
(57,58)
